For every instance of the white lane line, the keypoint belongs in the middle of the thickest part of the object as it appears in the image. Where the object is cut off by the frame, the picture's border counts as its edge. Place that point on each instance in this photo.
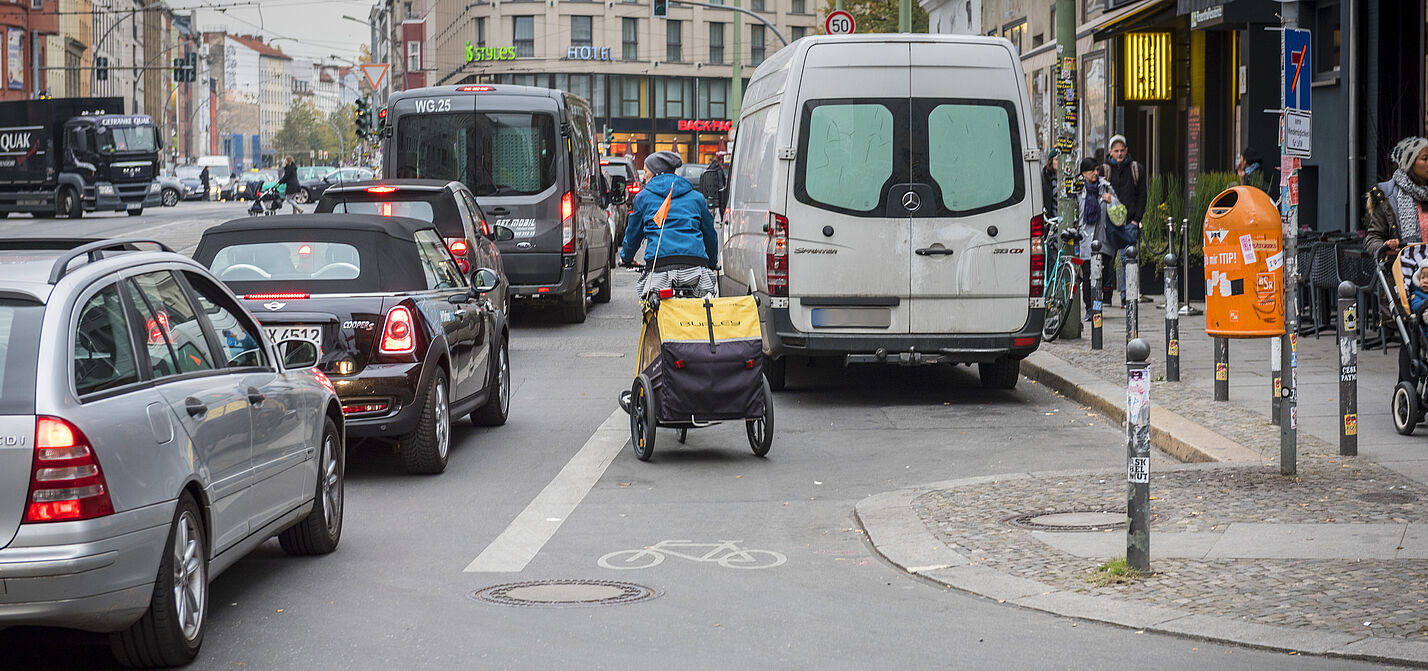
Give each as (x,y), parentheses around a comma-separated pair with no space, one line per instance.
(534,527)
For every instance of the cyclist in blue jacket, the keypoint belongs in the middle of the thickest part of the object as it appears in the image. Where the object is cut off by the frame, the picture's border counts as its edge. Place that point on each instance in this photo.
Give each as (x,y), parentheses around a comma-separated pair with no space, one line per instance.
(684,251)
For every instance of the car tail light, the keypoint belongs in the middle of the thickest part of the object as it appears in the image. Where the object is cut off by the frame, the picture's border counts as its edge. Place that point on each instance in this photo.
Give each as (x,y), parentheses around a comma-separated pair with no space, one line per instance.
(777,255)
(66,483)
(1024,342)
(604,163)
(397,335)
(459,248)
(475,89)
(381,189)
(1038,255)
(364,407)
(633,188)
(567,223)
(277,296)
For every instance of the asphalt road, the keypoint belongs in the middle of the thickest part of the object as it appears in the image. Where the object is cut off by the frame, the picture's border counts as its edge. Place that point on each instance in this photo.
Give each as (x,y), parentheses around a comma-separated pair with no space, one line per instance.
(548,495)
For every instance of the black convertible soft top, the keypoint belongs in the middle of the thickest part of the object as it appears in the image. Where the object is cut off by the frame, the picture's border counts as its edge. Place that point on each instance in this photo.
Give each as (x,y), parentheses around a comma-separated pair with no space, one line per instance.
(386,247)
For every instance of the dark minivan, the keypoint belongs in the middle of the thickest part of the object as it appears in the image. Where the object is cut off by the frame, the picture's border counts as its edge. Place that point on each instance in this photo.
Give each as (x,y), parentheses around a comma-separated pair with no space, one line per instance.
(528,155)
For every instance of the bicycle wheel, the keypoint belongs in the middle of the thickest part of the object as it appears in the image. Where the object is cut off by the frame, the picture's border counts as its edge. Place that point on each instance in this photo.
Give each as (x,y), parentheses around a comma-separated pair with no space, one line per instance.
(1058,302)
(624,560)
(752,559)
(760,430)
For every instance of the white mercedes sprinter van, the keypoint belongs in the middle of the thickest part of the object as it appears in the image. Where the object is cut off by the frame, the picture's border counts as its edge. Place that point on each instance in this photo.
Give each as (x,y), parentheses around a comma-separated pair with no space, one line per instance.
(884,204)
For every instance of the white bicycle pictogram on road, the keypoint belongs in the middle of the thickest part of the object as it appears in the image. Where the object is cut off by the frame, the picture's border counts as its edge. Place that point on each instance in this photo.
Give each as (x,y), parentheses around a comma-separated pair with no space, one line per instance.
(727,554)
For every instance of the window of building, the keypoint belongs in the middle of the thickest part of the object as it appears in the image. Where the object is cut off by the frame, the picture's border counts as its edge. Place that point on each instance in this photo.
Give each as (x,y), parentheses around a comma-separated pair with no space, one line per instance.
(1326,36)
(627,95)
(756,45)
(798,7)
(675,96)
(756,5)
(1053,22)
(581,31)
(630,35)
(713,98)
(798,32)
(523,36)
(1016,34)
(716,42)
(413,56)
(672,41)
(480,31)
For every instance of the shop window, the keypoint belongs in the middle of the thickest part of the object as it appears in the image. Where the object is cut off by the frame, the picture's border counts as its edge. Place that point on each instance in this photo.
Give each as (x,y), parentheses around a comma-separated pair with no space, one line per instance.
(672,41)
(581,31)
(799,7)
(1016,34)
(630,31)
(1326,38)
(480,31)
(523,36)
(756,45)
(716,42)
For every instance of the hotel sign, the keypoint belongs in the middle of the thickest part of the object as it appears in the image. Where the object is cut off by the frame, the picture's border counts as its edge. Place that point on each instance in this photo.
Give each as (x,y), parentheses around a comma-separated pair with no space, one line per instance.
(589,54)
(704,126)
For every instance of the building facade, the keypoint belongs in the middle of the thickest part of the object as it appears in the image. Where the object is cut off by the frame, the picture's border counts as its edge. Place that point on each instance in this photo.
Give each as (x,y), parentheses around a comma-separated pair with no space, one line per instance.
(656,83)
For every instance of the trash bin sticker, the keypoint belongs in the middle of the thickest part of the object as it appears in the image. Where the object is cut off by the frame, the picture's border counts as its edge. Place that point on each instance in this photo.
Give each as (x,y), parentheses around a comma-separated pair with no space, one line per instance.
(1247,249)
(1351,424)
(1264,288)
(1274,261)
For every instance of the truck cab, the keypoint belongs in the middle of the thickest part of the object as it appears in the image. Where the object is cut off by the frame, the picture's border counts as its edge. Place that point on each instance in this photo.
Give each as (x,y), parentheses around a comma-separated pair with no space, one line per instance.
(116,158)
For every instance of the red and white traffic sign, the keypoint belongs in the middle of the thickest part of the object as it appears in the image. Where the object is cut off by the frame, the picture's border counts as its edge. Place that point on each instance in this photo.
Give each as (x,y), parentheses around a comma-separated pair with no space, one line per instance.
(839,23)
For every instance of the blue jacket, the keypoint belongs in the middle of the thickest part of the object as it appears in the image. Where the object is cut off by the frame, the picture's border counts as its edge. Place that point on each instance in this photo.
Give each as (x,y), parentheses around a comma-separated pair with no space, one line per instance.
(1416,297)
(688,230)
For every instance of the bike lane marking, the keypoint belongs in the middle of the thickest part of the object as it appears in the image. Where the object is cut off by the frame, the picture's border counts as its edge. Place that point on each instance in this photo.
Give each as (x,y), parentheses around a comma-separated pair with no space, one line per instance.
(524,537)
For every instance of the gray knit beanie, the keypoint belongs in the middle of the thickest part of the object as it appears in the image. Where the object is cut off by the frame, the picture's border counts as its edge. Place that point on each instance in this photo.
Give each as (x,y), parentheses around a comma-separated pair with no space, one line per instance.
(662,162)
(1407,151)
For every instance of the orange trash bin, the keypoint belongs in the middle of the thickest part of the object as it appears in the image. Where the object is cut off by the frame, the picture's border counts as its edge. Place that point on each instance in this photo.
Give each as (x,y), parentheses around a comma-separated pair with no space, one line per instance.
(1244,265)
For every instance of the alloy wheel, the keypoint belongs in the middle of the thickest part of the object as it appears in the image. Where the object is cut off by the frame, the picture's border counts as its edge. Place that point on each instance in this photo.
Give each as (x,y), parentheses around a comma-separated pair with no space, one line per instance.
(443,421)
(190,584)
(331,485)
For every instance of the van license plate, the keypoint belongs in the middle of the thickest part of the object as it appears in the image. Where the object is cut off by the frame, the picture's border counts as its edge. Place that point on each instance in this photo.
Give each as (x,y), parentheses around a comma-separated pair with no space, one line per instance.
(312,334)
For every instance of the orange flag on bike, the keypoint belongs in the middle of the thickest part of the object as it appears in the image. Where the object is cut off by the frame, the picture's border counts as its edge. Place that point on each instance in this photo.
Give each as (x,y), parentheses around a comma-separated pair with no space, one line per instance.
(663,212)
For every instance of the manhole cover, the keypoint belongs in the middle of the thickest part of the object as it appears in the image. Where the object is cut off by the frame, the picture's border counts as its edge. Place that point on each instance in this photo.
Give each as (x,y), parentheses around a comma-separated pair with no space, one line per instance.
(564,593)
(1071,520)
(1387,497)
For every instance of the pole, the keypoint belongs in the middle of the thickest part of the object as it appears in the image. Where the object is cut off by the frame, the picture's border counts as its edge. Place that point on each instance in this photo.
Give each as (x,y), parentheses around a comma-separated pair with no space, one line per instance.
(1138,455)
(1132,271)
(1222,369)
(1172,319)
(904,16)
(1097,307)
(1277,377)
(1065,112)
(1186,309)
(736,79)
(1348,370)
(1289,412)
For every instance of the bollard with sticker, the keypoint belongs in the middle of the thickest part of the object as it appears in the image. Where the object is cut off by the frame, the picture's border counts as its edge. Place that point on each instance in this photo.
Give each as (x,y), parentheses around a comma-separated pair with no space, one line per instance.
(1172,319)
(1138,455)
(1348,370)
(1275,381)
(1222,369)
(1097,307)
(1132,299)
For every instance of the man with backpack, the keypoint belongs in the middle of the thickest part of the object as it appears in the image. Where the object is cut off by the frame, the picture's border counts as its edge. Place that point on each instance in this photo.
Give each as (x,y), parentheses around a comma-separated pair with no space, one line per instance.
(1128,179)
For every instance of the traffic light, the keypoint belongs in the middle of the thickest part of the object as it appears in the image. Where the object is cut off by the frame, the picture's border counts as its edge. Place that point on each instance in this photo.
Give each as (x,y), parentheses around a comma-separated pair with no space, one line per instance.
(178,69)
(609,137)
(363,117)
(660,8)
(101,68)
(190,67)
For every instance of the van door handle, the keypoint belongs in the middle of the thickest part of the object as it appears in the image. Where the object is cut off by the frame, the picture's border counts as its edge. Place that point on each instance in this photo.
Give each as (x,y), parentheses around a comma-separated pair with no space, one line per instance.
(934,251)
(195,407)
(499,210)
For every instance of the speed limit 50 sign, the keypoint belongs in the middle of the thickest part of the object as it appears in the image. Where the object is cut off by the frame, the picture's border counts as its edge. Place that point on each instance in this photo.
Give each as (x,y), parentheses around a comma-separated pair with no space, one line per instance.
(839,23)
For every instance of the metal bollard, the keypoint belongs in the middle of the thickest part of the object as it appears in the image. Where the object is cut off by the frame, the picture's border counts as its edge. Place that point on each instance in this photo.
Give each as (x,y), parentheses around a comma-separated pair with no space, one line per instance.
(1275,373)
(1172,319)
(1132,305)
(1097,307)
(1138,455)
(1348,370)
(1222,369)
(1186,308)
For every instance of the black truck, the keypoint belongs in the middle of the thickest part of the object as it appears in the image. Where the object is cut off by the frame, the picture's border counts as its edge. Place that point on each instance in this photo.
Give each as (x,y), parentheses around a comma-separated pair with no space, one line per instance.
(66,156)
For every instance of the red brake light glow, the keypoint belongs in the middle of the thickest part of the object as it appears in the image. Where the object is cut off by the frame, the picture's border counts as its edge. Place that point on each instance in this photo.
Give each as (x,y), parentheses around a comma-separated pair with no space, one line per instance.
(305,250)
(459,247)
(66,483)
(567,222)
(604,163)
(397,337)
(277,296)
(1038,256)
(776,255)
(385,209)
(475,89)
(323,380)
(381,189)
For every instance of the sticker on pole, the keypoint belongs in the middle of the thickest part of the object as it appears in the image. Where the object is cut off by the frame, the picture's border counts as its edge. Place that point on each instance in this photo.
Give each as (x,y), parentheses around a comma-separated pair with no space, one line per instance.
(1138,471)
(1137,392)
(839,23)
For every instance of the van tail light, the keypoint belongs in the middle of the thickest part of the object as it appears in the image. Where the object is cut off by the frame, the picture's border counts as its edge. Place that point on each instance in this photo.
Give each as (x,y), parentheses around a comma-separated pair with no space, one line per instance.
(1038,256)
(397,334)
(66,483)
(567,223)
(277,296)
(776,253)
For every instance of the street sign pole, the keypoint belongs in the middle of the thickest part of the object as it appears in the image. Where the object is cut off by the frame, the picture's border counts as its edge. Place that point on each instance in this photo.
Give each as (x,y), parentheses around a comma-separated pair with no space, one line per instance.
(1295,72)
(1065,120)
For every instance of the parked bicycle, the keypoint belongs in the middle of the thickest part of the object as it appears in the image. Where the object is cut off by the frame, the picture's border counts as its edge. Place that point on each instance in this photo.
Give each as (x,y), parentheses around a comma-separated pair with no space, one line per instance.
(1061,280)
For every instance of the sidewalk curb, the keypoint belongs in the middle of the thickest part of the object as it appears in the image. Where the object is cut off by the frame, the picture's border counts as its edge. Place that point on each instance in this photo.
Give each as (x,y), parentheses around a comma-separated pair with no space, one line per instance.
(899,535)
(1187,441)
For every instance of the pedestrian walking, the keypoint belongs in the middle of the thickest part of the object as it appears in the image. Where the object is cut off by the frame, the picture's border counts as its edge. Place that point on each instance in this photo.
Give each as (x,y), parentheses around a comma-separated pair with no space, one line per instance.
(714,184)
(1398,212)
(1049,178)
(1250,168)
(1093,206)
(203,178)
(1128,179)
(290,182)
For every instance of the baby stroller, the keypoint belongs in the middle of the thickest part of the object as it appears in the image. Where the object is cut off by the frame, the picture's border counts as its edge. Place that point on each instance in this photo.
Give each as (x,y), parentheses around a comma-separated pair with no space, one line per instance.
(269,200)
(700,361)
(1395,275)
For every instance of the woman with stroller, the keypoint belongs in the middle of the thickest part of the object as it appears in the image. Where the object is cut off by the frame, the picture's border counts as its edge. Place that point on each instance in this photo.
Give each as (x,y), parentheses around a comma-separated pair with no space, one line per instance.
(673,221)
(1398,213)
(1092,207)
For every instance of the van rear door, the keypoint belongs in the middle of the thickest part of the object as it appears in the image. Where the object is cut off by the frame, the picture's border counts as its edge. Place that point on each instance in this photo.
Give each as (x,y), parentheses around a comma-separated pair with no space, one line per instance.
(970,234)
(848,244)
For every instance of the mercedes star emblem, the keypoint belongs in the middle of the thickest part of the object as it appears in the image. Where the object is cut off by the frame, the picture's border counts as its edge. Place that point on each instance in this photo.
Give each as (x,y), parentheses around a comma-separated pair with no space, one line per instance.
(274,306)
(910,201)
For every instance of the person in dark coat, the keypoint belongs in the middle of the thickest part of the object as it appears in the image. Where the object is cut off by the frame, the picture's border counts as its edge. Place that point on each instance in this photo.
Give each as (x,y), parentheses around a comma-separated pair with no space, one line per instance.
(1127,176)
(1049,180)
(1093,223)
(1250,165)
(203,177)
(291,183)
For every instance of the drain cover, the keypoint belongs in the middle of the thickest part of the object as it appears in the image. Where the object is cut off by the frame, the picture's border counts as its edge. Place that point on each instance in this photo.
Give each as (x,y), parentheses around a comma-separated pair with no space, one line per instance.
(1071,520)
(1387,497)
(564,593)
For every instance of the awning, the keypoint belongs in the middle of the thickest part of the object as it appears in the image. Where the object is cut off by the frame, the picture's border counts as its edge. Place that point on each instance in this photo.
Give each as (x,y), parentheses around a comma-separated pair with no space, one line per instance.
(1043,56)
(1109,19)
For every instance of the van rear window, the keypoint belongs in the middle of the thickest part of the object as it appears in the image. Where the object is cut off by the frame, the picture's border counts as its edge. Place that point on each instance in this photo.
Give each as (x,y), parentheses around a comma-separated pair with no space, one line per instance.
(850,155)
(971,154)
(493,153)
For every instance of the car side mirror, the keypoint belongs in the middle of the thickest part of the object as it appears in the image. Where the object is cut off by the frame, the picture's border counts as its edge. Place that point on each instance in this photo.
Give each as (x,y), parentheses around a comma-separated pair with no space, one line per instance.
(501,234)
(298,354)
(486,280)
(618,195)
